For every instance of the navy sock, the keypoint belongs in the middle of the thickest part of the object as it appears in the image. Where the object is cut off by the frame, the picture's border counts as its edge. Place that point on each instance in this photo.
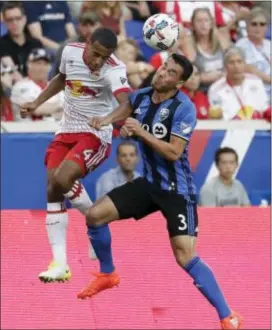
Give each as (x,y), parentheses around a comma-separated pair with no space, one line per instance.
(205,281)
(100,238)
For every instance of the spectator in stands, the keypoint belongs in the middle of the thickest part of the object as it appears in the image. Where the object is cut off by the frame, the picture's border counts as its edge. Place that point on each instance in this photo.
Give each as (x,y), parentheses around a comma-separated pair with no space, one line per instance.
(49,21)
(16,45)
(223,190)
(256,48)
(234,16)
(5,90)
(200,99)
(127,51)
(237,95)
(141,10)
(88,22)
(111,14)
(28,89)
(183,10)
(127,159)
(205,47)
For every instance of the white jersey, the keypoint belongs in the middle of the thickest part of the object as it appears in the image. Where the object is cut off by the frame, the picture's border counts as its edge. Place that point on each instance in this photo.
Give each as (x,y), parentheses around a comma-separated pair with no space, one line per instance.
(260,57)
(241,100)
(88,95)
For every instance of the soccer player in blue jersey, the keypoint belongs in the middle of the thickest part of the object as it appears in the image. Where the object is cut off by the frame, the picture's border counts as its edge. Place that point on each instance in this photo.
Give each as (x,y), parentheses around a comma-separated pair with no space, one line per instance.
(162,119)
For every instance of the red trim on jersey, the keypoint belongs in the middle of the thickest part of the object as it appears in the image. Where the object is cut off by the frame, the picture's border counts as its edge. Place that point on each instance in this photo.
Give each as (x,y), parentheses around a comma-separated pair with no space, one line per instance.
(111,62)
(122,90)
(77,44)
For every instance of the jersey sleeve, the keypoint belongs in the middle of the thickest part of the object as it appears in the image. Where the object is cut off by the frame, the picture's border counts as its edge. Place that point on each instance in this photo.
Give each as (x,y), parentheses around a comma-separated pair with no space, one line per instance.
(63,61)
(184,121)
(118,80)
(132,98)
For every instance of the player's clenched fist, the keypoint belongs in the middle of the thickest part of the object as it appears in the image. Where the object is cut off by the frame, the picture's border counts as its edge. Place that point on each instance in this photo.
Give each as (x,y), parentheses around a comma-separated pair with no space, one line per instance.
(98,122)
(27,109)
(133,126)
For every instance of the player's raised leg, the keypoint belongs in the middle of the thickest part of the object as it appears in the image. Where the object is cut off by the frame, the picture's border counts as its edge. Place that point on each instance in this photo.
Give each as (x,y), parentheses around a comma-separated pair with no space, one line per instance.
(183,228)
(130,200)
(98,217)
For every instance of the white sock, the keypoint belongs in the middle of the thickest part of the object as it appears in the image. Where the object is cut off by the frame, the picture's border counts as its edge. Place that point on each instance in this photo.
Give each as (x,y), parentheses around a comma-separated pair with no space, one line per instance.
(80,200)
(79,197)
(56,226)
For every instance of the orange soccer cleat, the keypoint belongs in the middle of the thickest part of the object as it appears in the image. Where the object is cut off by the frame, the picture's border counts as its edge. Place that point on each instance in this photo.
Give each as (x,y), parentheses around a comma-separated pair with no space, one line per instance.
(102,282)
(234,321)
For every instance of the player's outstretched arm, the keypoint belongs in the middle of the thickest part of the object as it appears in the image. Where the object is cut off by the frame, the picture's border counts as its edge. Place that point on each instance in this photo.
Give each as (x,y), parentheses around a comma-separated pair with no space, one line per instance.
(54,87)
(123,111)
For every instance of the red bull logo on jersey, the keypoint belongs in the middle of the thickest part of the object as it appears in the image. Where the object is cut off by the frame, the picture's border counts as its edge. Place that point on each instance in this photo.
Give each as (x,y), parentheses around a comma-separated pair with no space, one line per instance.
(78,89)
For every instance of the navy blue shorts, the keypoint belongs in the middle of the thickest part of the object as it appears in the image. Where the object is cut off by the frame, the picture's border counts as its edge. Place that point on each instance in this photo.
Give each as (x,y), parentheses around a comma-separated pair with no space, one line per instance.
(140,198)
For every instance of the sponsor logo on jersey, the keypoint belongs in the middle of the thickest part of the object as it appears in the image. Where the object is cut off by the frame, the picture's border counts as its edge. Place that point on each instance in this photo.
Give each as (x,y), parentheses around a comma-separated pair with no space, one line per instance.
(138,111)
(78,89)
(185,128)
(159,131)
(123,80)
(163,114)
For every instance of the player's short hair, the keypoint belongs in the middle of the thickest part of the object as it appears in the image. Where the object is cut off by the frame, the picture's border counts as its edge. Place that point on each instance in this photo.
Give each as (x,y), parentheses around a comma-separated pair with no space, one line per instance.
(106,37)
(126,143)
(233,50)
(225,150)
(186,65)
(12,5)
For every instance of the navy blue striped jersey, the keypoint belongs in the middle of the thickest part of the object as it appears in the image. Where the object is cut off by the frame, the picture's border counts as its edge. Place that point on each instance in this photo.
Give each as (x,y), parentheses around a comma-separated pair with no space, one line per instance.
(175,116)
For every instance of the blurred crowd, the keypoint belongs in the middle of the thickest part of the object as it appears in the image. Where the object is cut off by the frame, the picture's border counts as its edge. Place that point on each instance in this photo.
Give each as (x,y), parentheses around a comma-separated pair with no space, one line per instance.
(228,42)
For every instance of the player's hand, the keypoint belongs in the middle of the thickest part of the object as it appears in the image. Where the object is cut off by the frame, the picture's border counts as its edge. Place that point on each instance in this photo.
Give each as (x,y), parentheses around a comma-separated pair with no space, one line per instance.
(133,126)
(27,109)
(124,132)
(98,122)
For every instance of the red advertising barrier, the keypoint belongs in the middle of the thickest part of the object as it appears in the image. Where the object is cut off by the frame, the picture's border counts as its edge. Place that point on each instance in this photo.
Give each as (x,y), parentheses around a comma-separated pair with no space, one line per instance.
(154,292)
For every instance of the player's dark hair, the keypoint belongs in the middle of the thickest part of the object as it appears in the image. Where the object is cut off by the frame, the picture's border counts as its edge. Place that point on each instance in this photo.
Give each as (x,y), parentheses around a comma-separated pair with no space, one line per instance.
(105,37)
(186,65)
(225,150)
(126,143)
(12,5)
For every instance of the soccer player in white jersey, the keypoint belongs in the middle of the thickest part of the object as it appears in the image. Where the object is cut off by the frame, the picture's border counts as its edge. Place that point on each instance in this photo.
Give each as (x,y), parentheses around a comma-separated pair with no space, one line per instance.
(91,76)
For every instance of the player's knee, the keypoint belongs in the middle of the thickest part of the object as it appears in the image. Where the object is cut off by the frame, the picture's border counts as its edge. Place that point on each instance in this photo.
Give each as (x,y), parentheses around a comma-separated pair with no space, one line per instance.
(183,254)
(62,182)
(93,217)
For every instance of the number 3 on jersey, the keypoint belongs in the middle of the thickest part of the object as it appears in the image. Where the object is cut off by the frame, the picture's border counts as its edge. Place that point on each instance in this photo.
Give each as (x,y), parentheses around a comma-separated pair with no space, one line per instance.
(182,219)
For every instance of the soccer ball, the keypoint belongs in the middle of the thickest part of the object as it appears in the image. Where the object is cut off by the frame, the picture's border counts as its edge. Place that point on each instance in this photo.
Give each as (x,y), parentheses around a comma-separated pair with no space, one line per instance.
(160,31)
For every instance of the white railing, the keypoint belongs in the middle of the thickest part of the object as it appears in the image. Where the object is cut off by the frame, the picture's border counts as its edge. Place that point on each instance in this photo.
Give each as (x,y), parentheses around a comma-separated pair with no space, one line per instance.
(50,126)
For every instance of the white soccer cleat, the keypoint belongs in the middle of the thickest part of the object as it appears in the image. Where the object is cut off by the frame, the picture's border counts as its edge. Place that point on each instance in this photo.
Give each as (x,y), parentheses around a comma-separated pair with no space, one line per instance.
(92,254)
(55,273)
